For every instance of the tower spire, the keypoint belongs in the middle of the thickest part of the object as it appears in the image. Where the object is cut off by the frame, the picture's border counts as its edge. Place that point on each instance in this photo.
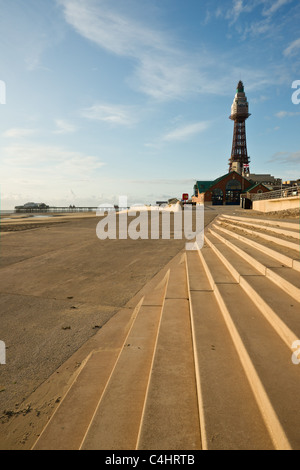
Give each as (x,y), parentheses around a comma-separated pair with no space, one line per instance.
(239,160)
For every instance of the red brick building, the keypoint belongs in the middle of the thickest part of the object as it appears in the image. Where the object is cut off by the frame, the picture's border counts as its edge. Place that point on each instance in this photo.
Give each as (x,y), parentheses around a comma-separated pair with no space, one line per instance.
(227,189)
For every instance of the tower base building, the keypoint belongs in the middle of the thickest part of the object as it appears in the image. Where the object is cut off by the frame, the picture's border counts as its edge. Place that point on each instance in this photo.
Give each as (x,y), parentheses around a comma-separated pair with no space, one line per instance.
(226,190)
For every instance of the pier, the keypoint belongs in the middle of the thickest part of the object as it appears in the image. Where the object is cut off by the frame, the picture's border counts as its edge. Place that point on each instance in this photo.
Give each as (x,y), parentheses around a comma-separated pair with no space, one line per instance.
(67,210)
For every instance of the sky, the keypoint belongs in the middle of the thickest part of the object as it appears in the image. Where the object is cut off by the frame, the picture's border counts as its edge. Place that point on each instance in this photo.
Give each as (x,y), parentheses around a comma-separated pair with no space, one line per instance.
(109,98)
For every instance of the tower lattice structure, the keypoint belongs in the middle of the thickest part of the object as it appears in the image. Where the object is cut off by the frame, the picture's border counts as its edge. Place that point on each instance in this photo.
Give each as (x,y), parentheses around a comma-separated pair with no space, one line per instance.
(239,160)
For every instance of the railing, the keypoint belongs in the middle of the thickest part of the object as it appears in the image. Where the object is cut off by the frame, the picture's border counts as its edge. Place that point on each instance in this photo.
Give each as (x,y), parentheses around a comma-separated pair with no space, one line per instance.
(279,194)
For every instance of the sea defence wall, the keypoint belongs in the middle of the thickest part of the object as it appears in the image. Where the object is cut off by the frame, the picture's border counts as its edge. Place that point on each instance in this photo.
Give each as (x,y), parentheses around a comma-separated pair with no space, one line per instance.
(281,204)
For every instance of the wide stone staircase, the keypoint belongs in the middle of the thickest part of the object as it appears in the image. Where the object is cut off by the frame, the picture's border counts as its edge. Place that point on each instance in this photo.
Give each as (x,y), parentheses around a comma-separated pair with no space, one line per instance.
(206,360)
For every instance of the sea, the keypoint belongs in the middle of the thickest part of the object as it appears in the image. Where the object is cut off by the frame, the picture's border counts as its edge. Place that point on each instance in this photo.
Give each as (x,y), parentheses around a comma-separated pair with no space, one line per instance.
(3,213)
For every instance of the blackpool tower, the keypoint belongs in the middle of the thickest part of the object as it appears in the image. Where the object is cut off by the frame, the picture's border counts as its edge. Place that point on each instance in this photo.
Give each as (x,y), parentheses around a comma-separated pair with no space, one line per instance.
(239,160)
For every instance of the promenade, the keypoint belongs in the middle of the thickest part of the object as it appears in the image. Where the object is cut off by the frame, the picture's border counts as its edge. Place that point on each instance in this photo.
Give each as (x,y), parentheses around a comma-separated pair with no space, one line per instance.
(59,284)
(141,345)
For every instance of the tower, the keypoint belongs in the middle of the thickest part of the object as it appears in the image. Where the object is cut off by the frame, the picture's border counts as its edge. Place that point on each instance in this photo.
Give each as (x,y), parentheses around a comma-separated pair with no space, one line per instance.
(239,160)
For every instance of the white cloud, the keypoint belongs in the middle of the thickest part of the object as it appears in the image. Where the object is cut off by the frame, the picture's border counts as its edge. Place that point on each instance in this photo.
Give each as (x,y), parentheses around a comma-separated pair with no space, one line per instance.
(292,48)
(218,12)
(275,6)
(238,8)
(16,133)
(44,173)
(160,69)
(287,157)
(260,99)
(259,27)
(111,114)
(168,78)
(41,158)
(110,29)
(64,127)
(264,22)
(186,132)
(283,114)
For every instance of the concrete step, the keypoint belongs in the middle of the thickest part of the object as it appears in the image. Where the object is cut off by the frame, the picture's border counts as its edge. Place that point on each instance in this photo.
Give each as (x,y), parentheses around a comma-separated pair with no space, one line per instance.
(284,276)
(229,415)
(265,358)
(254,253)
(285,256)
(278,307)
(267,363)
(116,421)
(204,361)
(170,418)
(262,232)
(285,228)
(68,426)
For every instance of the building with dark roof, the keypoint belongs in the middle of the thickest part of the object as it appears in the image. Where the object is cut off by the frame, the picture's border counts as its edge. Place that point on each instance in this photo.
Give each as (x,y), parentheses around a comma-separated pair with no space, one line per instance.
(228,189)
(268,180)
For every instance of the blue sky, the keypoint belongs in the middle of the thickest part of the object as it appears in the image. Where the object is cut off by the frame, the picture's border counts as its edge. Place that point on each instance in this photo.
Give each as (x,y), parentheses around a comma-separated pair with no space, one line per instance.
(132,97)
